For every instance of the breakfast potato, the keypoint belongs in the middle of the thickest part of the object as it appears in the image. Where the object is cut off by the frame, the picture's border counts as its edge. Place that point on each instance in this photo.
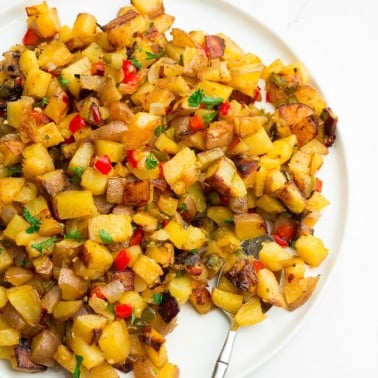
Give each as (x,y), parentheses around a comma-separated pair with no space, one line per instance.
(139,160)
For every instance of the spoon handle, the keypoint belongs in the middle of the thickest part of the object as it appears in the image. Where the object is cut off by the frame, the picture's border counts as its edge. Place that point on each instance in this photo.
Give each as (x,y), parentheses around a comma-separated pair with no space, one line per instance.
(223,360)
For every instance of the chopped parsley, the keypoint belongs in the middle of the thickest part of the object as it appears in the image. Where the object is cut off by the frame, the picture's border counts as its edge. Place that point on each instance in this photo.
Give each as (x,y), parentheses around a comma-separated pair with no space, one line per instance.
(133,318)
(159,130)
(229,221)
(74,235)
(150,55)
(62,81)
(33,221)
(157,298)
(79,361)
(105,236)
(209,117)
(15,170)
(43,245)
(77,173)
(183,207)
(1,250)
(199,97)
(151,162)
(111,308)
(195,250)
(43,101)
(136,62)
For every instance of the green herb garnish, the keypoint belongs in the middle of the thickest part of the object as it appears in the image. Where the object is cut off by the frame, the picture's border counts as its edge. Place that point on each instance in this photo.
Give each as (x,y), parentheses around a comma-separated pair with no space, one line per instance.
(198,97)
(43,101)
(62,81)
(133,318)
(209,117)
(150,55)
(15,170)
(111,307)
(183,207)
(157,298)
(136,62)
(77,173)
(79,361)
(105,236)
(43,245)
(195,250)
(1,250)
(34,222)
(159,130)
(229,221)
(74,235)
(151,162)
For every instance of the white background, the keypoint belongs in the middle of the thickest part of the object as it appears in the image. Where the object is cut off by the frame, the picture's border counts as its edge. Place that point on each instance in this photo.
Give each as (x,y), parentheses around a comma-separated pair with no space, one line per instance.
(338,42)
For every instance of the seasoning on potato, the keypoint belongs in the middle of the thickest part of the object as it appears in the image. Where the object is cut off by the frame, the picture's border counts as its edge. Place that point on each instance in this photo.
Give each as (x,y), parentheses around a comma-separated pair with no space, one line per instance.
(137,160)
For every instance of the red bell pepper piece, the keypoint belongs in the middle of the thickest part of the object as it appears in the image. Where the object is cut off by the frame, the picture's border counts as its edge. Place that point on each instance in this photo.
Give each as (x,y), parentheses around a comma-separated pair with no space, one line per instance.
(130,72)
(103,164)
(30,37)
(136,237)
(224,108)
(258,265)
(96,291)
(98,68)
(77,123)
(256,95)
(284,235)
(318,185)
(131,158)
(123,310)
(121,261)
(196,123)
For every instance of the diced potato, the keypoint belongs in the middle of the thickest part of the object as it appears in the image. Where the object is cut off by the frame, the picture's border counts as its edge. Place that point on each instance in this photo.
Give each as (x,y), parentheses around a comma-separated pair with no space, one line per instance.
(19,110)
(136,301)
(316,202)
(110,228)
(274,257)
(88,326)
(114,150)
(148,269)
(84,28)
(25,299)
(158,357)
(37,83)
(250,313)
(151,8)
(94,181)
(311,249)
(6,260)
(74,204)
(219,214)
(270,204)
(163,255)
(298,291)
(104,370)
(17,275)
(169,370)
(268,288)
(71,74)
(8,335)
(259,142)
(114,342)
(37,160)
(230,302)
(249,225)
(82,157)
(290,195)
(92,354)
(43,19)
(54,54)
(180,287)
(181,171)
(64,310)
(28,61)
(71,285)
(296,269)
(10,187)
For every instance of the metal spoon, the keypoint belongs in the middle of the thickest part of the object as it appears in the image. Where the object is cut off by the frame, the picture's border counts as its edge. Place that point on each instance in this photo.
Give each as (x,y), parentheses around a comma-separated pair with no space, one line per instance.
(249,247)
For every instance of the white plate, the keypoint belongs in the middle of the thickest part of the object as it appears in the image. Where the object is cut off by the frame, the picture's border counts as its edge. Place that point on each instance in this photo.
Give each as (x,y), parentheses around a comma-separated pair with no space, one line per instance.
(195,343)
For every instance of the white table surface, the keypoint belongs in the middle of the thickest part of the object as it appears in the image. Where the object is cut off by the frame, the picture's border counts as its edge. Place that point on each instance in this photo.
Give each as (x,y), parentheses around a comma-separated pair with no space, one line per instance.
(338,42)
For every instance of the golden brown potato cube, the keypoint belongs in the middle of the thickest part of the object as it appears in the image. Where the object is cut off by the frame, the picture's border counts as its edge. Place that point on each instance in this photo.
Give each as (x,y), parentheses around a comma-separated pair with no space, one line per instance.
(110,228)
(274,257)
(84,28)
(120,31)
(249,225)
(37,83)
(54,54)
(74,204)
(291,197)
(311,249)
(298,291)
(9,187)
(92,354)
(228,301)
(44,346)
(71,285)
(250,313)
(169,370)
(96,256)
(43,19)
(201,300)
(158,357)
(268,288)
(149,8)
(37,160)
(148,269)
(25,299)
(89,326)
(64,310)
(11,148)
(114,342)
